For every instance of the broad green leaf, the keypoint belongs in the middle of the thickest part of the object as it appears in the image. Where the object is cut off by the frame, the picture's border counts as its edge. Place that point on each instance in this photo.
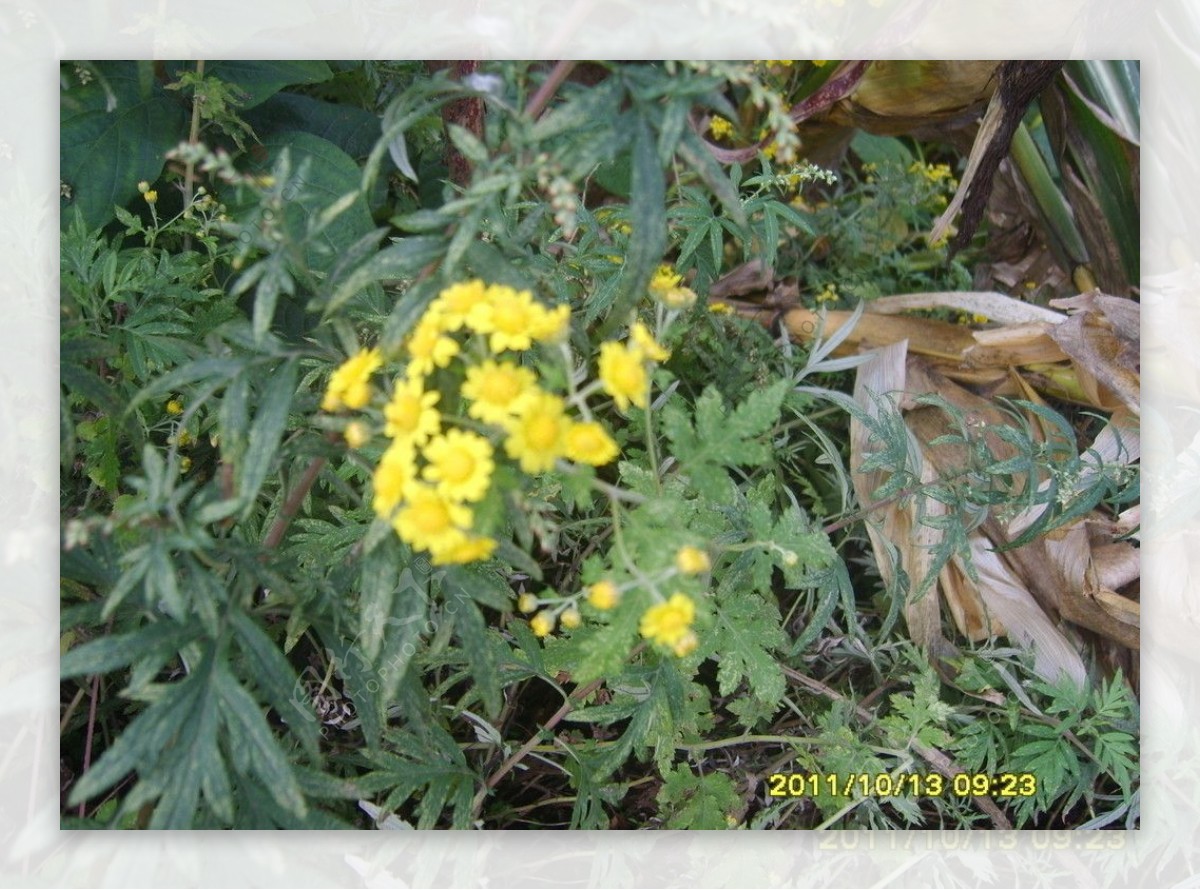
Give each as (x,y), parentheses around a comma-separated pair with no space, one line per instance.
(104,154)
(321,173)
(352,129)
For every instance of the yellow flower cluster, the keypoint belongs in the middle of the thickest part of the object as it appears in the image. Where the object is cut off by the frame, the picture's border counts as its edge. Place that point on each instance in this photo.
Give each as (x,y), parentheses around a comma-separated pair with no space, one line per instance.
(828,294)
(436,470)
(720,128)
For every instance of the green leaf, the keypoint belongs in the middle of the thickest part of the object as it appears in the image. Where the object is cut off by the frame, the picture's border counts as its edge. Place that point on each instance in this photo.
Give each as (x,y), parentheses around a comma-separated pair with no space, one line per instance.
(100,656)
(700,159)
(402,260)
(352,129)
(253,746)
(321,173)
(481,656)
(259,80)
(103,155)
(275,677)
(648,216)
(747,632)
(697,802)
(266,432)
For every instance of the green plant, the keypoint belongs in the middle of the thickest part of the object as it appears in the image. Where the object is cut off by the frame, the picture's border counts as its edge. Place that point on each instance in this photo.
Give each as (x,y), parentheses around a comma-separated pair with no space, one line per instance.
(458,504)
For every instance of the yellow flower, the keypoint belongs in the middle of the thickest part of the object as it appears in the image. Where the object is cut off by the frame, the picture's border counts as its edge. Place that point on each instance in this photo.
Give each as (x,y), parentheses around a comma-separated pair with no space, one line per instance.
(496,390)
(669,623)
(551,325)
(720,128)
(429,347)
(623,374)
(679,298)
(536,436)
(828,294)
(349,386)
(410,414)
(151,196)
(174,407)
(506,316)
(455,303)
(571,618)
(664,279)
(527,602)
(603,595)
(589,443)
(719,308)
(357,434)
(465,548)
(397,468)
(645,342)
(461,465)
(692,560)
(542,623)
(430,521)
(185,464)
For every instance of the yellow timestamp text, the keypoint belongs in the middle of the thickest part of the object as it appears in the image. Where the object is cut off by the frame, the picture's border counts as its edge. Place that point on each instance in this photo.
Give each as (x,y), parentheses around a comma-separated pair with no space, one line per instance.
(902,784)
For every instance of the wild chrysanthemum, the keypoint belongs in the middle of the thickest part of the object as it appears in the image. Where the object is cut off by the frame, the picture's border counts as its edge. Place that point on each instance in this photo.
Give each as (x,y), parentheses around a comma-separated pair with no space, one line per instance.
(357,434)
(623,374)
(669,623)
(465,548)
(542,623)
(551,325)
(350,384)
(397,468)
(455,303)
(664,279)
(507,316)
(603,595)
(460,464)
(537,435)
(644,341)
(496,389)
(570,618)
(410,415)
(692,560)
(429,347)
(589,443)
(430,521)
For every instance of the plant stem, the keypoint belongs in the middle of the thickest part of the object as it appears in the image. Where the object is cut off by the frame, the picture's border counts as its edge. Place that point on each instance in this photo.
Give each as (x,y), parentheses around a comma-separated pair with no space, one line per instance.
(539,101)
(189,176)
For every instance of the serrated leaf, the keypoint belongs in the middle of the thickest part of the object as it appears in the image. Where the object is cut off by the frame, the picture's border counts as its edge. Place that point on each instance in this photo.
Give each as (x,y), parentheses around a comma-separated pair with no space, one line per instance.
(481,656)
(275,677)
(100,656)
(257,747)
(404,259)
(747,632)
(697,802)
(648,217)
(266,432)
